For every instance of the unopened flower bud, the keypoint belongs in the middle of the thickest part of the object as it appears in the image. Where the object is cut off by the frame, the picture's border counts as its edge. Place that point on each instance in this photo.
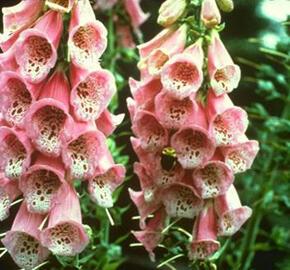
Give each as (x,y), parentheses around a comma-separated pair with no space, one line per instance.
(170,11)
(226,5)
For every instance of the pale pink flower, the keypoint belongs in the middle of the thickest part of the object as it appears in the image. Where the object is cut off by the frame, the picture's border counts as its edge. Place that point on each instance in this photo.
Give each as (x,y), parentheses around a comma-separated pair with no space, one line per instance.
(36,51)
(231,214)
(41,183)
(65,235)
(91,92)
(48,122)
(180,201)
(240,157)
(60,5)
(87,36)
(9,191)
(15,152)
(227,123)
(16,19)
(17,95)
(152,235)
(182,74)
(7,60)
(170,11)
(224,74)
(105,4)
(23,239)
(210,14)
(125,38)
(204,242)
(81,154)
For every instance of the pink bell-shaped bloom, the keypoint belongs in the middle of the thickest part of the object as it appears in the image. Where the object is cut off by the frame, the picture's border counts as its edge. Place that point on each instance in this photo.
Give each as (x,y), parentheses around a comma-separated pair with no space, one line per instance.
(36,52)
(144,208)
(102,185)
(204,242)
(87,36)
(41,183)
(144,92)
(16,19)
(9,191)
(232,215)
(224,74)
(152,135)
(65,234)
(180,201)
(174,113)
(227,123)
(210,14)
(23,240)
(125,38)
(48,122)
(15,152)
(107,122)
(170,11)
(132,108)
(213,179)
(7,60)
(91,92)
(81,154)
(182,74)
(60,5)
(106,4)
(152,235)
(136,14)
(193,144)
(159,56)
(240,157)
(16,97)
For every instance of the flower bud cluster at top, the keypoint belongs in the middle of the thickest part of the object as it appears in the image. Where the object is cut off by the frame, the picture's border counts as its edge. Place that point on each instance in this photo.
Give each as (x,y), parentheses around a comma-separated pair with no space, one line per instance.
(53,127)
(189,136)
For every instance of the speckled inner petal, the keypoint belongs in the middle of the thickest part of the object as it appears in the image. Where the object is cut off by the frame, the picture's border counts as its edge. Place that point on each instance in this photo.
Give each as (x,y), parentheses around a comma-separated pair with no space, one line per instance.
(203,249)
(4,204)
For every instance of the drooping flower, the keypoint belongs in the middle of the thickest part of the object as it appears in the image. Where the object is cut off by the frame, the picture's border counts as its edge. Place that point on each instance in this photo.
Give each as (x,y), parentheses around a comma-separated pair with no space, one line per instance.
(224,74)
(15,152)
(36,51)
(65,234)
(125,38)
(105,4)
(204,242)
(48,122)
(210,14)
(41,183)
(91,92)
(231,214)
(170,11)
(23,239)
(16,19)
(87,36)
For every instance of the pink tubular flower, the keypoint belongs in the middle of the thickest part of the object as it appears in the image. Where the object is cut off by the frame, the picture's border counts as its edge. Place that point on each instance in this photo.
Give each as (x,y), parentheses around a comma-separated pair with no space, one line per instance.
(108,122)
(23,240)
(232,215)
(125,38)
(170,11)
(41,183)
(213,179)
(48,122)
(180,201)
(81,154)
(91,92)
(224,74)
(36,51)
(193,144)
(7,60)
(16,19)
(227,123)
(60,5)
(182,74)
(135,12)
(240,157)
(152,135)
(174,113)
(210,14)
(204,242)
(106,4)
(16,97)
(9,191)
(87,36)
(107,178)
(152,235)
(65,234)
(15,152)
